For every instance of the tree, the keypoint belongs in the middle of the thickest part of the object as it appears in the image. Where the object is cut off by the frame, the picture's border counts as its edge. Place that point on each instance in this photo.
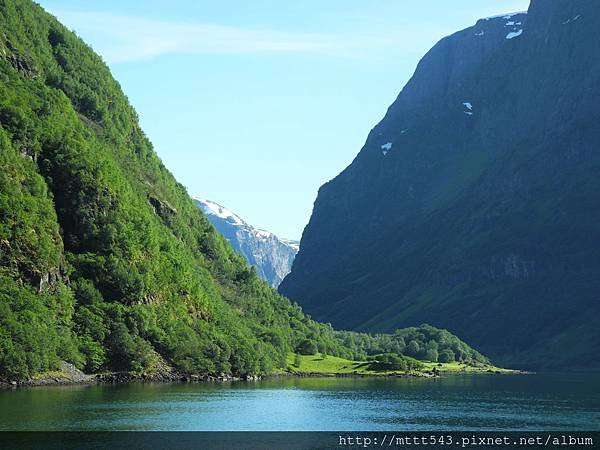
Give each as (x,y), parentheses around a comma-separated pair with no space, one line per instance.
(432,355)
(297,360)
(413,348)
(307,347)
(446,356)
(431,351)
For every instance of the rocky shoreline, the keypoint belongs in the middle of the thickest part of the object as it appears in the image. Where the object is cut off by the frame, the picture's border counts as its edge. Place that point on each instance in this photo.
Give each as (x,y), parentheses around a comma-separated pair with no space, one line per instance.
(68,375)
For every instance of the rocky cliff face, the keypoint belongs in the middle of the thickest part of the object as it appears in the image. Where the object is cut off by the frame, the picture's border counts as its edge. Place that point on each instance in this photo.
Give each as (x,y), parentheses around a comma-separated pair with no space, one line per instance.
(473,203)
(272,257)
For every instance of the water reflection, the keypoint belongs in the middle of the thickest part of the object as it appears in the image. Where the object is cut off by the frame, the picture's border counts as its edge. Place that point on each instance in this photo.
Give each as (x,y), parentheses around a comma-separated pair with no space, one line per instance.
(462,402)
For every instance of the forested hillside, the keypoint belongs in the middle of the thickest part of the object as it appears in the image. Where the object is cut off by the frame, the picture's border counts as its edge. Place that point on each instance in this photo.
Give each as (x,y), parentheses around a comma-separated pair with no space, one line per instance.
(105,261)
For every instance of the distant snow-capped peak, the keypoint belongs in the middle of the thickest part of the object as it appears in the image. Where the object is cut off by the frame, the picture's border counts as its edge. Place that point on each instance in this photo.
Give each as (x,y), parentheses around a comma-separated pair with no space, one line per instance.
(270,255)
(212,208)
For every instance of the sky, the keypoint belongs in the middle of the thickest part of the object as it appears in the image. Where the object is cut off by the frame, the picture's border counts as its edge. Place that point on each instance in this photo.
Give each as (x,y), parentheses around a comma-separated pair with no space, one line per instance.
(256,104)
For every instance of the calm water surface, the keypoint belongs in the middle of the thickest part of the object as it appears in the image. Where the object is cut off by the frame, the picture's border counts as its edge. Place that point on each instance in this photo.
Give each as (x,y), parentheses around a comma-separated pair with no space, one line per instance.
(459,402)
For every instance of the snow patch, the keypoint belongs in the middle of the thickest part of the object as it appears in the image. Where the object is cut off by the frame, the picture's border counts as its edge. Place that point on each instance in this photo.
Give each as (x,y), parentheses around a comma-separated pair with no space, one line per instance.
(214,209)
(481,33)
(510,23)
(468,105)
(514,34)
(505,16)
(387,146)
(468,113)
(263,234)
(572,19)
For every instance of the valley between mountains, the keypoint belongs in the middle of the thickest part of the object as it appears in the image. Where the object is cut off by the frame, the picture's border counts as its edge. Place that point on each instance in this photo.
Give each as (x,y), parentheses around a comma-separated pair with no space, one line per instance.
(107,265)
(463,235)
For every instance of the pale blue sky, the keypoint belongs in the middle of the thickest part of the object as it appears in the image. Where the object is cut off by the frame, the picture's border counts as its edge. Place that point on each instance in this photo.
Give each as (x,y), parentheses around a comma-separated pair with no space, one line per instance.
(255,104)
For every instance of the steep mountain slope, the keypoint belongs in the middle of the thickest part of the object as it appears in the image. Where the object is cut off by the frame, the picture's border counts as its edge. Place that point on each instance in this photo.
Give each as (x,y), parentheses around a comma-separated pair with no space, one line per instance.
(270,256)
(105,261)
(474,202)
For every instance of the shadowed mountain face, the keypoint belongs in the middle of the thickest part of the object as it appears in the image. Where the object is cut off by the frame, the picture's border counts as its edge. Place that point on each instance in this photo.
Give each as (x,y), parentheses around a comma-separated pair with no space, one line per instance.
(271,256)
(474,202)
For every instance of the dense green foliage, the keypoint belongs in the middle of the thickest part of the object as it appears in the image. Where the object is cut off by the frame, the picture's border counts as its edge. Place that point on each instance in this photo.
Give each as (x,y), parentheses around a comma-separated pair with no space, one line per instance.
(307,347)
(34,329)
(104,259)
(424,343)
(94,221)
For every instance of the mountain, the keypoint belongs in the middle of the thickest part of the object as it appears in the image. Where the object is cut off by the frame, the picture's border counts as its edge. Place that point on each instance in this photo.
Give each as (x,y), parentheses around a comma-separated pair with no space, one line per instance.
(105,261)
(272,257)
(474,202)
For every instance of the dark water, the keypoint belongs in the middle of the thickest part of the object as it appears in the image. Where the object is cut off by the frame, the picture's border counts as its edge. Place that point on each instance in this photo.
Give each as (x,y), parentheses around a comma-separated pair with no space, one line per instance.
(461,402)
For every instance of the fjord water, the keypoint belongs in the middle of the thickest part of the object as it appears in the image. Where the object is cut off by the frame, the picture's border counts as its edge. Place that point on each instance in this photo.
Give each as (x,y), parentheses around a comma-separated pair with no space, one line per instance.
(458,402)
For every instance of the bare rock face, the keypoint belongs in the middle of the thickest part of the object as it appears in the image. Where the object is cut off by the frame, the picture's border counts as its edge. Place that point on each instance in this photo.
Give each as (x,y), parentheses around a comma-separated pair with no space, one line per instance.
(271,256)
(66,374)
(12,55)
(161,208)
(73,373)
(473,205)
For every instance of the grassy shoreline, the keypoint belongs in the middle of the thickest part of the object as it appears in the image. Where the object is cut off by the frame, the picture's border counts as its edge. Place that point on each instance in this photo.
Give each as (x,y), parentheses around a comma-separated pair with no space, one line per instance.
(314,365)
